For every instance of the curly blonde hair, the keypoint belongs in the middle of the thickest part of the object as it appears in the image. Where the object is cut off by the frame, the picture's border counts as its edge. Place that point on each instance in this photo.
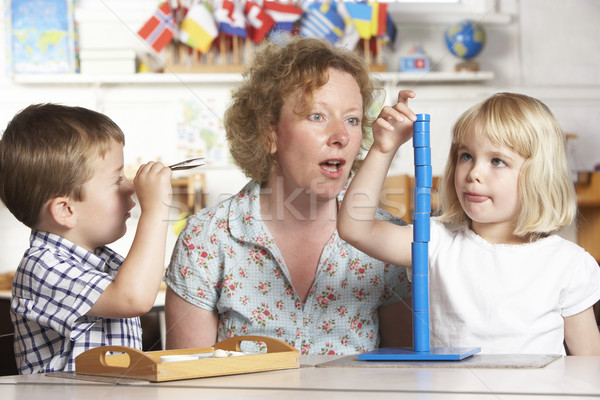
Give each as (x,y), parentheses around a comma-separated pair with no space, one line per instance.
(527,126)
(276,72)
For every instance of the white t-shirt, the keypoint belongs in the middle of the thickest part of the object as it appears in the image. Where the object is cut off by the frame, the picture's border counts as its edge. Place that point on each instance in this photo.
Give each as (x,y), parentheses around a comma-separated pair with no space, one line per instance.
(508,299)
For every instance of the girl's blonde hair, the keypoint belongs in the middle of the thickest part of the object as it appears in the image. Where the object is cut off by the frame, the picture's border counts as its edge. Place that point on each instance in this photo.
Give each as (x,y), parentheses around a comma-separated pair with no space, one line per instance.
(277,72)
(528,127)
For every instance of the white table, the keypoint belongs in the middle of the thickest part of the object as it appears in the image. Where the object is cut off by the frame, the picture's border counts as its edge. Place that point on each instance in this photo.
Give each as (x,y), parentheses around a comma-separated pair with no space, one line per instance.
(565,378)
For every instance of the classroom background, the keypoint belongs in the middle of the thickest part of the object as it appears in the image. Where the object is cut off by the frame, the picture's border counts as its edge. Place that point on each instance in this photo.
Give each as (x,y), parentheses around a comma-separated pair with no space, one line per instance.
(170,110)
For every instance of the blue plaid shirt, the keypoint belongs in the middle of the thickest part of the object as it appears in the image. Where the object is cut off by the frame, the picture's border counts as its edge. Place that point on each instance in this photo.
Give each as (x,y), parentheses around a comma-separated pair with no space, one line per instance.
(54,287)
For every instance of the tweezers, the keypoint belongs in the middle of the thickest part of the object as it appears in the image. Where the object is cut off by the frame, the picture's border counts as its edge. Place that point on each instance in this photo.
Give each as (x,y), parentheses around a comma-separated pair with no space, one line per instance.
(188,164)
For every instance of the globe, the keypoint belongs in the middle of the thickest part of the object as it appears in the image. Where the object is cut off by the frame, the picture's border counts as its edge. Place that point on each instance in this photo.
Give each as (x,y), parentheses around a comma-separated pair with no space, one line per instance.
(465,39)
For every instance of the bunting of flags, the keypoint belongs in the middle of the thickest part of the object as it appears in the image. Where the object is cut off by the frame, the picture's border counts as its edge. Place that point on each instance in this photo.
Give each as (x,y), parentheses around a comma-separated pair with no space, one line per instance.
(342,23)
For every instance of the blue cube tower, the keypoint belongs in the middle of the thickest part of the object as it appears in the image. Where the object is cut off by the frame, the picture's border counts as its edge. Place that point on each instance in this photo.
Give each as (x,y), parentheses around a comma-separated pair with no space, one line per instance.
(420,264)
(420,244)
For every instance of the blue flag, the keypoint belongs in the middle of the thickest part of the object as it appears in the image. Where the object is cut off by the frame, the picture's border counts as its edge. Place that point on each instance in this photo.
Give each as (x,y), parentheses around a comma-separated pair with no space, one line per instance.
(322,21)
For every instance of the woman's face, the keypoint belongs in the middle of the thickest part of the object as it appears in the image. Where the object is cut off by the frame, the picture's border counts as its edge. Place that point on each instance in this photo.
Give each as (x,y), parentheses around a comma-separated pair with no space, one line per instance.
(315,150)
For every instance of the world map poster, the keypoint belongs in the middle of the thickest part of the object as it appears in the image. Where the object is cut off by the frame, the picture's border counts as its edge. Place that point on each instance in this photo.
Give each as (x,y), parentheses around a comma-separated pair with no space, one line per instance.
(41,35)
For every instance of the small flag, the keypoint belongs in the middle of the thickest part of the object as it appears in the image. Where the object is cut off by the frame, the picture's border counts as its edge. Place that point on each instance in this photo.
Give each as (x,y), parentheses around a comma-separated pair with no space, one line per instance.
(391,35)
(230,18)
(379,19)
(350,38)
(259,23)
(158,30)
(198,28)
(284,14)
(361,16)
(322,21)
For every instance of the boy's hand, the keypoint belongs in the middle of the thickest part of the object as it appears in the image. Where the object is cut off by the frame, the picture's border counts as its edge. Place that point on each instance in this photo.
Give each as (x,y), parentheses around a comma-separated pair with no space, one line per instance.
(393,126)
(153,186)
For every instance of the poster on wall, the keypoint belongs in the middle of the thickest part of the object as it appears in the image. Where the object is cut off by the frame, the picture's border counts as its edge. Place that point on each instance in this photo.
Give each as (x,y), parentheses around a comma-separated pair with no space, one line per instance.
(41,36)
(200,130)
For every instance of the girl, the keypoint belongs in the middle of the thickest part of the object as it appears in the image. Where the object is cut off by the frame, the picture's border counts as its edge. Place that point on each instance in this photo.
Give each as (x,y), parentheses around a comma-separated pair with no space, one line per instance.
(500,276)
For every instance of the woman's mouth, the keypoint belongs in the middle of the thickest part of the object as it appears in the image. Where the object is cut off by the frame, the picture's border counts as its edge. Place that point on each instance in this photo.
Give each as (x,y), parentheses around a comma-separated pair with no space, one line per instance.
(333,168)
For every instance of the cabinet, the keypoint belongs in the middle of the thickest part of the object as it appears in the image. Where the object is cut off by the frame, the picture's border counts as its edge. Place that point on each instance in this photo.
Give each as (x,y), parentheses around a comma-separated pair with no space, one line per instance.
(588,227)
(188,193)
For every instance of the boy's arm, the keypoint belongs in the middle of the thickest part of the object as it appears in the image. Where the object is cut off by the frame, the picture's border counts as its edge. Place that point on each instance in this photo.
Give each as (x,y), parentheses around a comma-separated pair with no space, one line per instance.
(582,335)
(134,289)
(356,220)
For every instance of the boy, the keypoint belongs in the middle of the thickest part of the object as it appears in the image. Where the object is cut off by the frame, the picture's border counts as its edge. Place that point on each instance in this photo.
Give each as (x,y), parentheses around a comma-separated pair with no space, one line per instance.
(61,174)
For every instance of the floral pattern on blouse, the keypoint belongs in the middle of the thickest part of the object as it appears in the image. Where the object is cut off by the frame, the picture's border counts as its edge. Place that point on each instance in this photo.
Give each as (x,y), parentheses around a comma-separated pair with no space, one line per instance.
(225,260)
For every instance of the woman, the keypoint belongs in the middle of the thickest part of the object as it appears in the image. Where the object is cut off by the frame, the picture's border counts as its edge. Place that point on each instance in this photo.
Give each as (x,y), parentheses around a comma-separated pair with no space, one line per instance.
(268,261)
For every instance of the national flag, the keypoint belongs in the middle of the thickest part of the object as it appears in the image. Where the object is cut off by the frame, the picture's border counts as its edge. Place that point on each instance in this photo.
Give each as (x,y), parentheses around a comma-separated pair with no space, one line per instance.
(198,28)
(284,14)
(322,21)
(158,30)
(378,26)
(230,18)
(379,19)
(361,16)
(258,22)
(391,35)
(350,38)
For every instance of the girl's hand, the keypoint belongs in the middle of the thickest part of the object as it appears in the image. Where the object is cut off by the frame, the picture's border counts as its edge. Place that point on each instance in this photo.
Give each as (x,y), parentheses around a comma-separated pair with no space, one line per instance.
(153,185)
(393,126)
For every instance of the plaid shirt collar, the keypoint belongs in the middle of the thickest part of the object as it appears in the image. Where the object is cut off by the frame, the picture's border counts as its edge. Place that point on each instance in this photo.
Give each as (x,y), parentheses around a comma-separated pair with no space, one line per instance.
(102,259)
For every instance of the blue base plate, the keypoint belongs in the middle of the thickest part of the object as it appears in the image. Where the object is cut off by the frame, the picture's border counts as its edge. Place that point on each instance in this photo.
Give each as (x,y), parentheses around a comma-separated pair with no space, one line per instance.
(408,353)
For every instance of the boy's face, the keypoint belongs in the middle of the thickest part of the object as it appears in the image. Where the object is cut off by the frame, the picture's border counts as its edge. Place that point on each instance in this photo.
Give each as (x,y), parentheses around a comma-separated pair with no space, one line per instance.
(102,215)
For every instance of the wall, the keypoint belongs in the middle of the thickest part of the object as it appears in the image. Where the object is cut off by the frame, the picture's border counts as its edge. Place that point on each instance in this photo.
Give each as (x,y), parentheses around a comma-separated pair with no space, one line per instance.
(548,50)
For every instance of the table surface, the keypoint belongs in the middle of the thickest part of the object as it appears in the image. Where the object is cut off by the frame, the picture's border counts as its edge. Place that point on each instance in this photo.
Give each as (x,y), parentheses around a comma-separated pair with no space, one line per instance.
(564,378)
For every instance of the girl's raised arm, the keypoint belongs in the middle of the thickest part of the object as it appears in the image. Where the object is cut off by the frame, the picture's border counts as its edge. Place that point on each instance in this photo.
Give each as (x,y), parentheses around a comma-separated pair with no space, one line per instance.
(356,221)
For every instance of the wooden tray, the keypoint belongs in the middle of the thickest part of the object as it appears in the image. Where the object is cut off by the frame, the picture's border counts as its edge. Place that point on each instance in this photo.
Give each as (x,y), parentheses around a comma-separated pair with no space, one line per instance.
(136,364)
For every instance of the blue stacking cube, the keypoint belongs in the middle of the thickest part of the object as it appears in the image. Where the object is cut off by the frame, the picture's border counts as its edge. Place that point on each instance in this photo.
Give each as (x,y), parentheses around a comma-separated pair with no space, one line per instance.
(421,139)
(423,176)
(422,156)
(421,227)
(422,199)
(420,253)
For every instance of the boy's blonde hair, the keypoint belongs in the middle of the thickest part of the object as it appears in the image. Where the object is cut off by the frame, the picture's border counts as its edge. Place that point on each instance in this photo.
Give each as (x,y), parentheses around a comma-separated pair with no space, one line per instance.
(47,151)
(275,73)
(528,127)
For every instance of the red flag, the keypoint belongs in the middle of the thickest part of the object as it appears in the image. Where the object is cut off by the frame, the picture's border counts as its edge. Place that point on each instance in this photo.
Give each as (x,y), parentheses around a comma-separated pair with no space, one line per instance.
(259,23)
(284,14)
(382,19)
(158,30)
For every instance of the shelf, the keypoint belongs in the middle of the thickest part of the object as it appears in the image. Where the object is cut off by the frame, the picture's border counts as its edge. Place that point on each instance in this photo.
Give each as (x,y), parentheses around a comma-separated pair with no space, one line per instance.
(435,77)
(121,79)
(227,78)
(409,18)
